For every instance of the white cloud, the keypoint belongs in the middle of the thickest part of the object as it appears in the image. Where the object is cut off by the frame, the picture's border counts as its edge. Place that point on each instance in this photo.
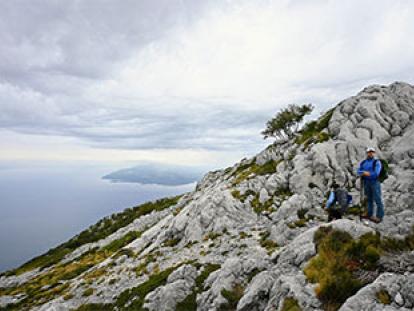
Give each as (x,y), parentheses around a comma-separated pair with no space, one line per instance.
(257,52)
(189,74)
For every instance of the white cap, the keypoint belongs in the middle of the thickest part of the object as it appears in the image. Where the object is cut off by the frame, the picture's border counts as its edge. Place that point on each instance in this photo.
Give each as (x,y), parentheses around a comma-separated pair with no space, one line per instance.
(370,149)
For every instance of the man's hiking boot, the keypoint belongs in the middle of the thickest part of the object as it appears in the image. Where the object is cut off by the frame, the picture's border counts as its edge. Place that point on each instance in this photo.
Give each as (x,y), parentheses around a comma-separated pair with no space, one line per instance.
(366,216)
(376,219)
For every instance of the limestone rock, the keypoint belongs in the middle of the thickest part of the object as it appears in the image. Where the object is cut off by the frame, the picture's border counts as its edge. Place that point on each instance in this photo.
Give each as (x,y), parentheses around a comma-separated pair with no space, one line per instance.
(398,287)
(179,286)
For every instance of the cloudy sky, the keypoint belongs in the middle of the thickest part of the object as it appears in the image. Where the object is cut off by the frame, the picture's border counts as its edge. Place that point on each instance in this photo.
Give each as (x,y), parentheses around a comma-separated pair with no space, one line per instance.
(183,81)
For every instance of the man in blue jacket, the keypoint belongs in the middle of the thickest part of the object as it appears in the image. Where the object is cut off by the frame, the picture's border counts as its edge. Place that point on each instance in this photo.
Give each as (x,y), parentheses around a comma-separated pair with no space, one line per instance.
(370,169)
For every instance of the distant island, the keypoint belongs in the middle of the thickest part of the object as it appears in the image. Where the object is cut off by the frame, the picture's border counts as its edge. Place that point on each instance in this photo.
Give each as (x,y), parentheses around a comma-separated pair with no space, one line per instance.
(160,174)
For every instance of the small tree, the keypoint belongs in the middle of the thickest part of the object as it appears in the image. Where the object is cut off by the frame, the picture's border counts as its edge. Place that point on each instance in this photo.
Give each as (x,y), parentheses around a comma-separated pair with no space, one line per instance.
(286,123)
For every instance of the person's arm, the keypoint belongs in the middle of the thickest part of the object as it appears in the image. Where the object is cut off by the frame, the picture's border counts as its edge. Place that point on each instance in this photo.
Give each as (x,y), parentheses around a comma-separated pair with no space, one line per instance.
(330,199)
(377,169)
(360,170)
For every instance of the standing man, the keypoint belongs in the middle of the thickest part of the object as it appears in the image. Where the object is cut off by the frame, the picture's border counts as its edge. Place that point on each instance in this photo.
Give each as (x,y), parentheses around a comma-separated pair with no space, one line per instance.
(370,169)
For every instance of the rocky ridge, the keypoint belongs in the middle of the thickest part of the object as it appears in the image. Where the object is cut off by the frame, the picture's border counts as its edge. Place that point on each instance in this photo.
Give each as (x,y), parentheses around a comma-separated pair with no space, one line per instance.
(242,239)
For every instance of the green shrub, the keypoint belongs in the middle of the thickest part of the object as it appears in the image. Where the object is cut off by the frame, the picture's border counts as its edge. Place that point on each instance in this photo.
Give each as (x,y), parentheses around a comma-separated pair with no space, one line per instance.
(211,235)
(125,251)
(172,242)
(121,242)
(320,234)
(297,223)
(285,123)
(191,243)
(37,295)
(303,219)
(269,245)
(236,194)
(313,131)
(228,169)
(269,167)
(94,274)
(283,192)
(290,304)
(243,167)
(383,297)
(336,288)
(242,197)
(259,208)
(188,304)
(141,269)
(232,296)
(366,251)
(95,307)
(338,255)
(243,235)
(208,269)
(264,235)
(87,292)
(68,296)
(177,211)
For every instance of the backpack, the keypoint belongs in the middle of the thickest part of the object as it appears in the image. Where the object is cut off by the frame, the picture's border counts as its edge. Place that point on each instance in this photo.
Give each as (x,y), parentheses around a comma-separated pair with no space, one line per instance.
(383,175)
(342,200)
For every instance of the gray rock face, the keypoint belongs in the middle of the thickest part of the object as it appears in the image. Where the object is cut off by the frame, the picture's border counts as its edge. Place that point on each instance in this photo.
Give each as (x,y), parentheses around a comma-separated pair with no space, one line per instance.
(233,271)
(398,287)
(398,263)
(257,293)
(179,286)
(259,226)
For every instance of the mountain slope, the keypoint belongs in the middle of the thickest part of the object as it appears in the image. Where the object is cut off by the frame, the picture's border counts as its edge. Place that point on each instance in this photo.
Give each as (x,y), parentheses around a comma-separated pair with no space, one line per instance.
(253,236)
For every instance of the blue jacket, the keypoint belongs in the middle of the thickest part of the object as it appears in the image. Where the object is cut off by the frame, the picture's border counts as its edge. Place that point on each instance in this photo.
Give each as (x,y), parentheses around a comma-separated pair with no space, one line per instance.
(367,165)
(331,199)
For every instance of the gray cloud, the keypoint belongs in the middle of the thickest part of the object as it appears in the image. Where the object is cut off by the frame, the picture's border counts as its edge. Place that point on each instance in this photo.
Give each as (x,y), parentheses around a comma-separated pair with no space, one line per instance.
(84,39)
(189,74)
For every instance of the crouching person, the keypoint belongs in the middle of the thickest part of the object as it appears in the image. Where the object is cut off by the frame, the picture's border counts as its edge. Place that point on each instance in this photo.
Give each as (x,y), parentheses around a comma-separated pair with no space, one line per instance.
(338,202)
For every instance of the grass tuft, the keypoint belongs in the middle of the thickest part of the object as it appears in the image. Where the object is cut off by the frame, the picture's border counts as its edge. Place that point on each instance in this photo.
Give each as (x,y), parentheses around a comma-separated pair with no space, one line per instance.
(290,304)
(245,171)
(315,131)
(232,296)
(383,297)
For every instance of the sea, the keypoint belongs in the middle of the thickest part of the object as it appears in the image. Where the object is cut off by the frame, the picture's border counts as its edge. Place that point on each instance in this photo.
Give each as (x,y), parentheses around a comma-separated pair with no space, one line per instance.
(43,204)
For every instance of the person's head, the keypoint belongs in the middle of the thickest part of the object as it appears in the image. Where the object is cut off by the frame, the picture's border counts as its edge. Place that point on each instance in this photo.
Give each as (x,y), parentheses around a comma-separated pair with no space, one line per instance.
(370,152)
(335,186)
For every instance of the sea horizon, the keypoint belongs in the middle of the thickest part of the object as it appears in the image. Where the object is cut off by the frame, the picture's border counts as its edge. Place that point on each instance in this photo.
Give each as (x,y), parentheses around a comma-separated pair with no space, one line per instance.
(46,203)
